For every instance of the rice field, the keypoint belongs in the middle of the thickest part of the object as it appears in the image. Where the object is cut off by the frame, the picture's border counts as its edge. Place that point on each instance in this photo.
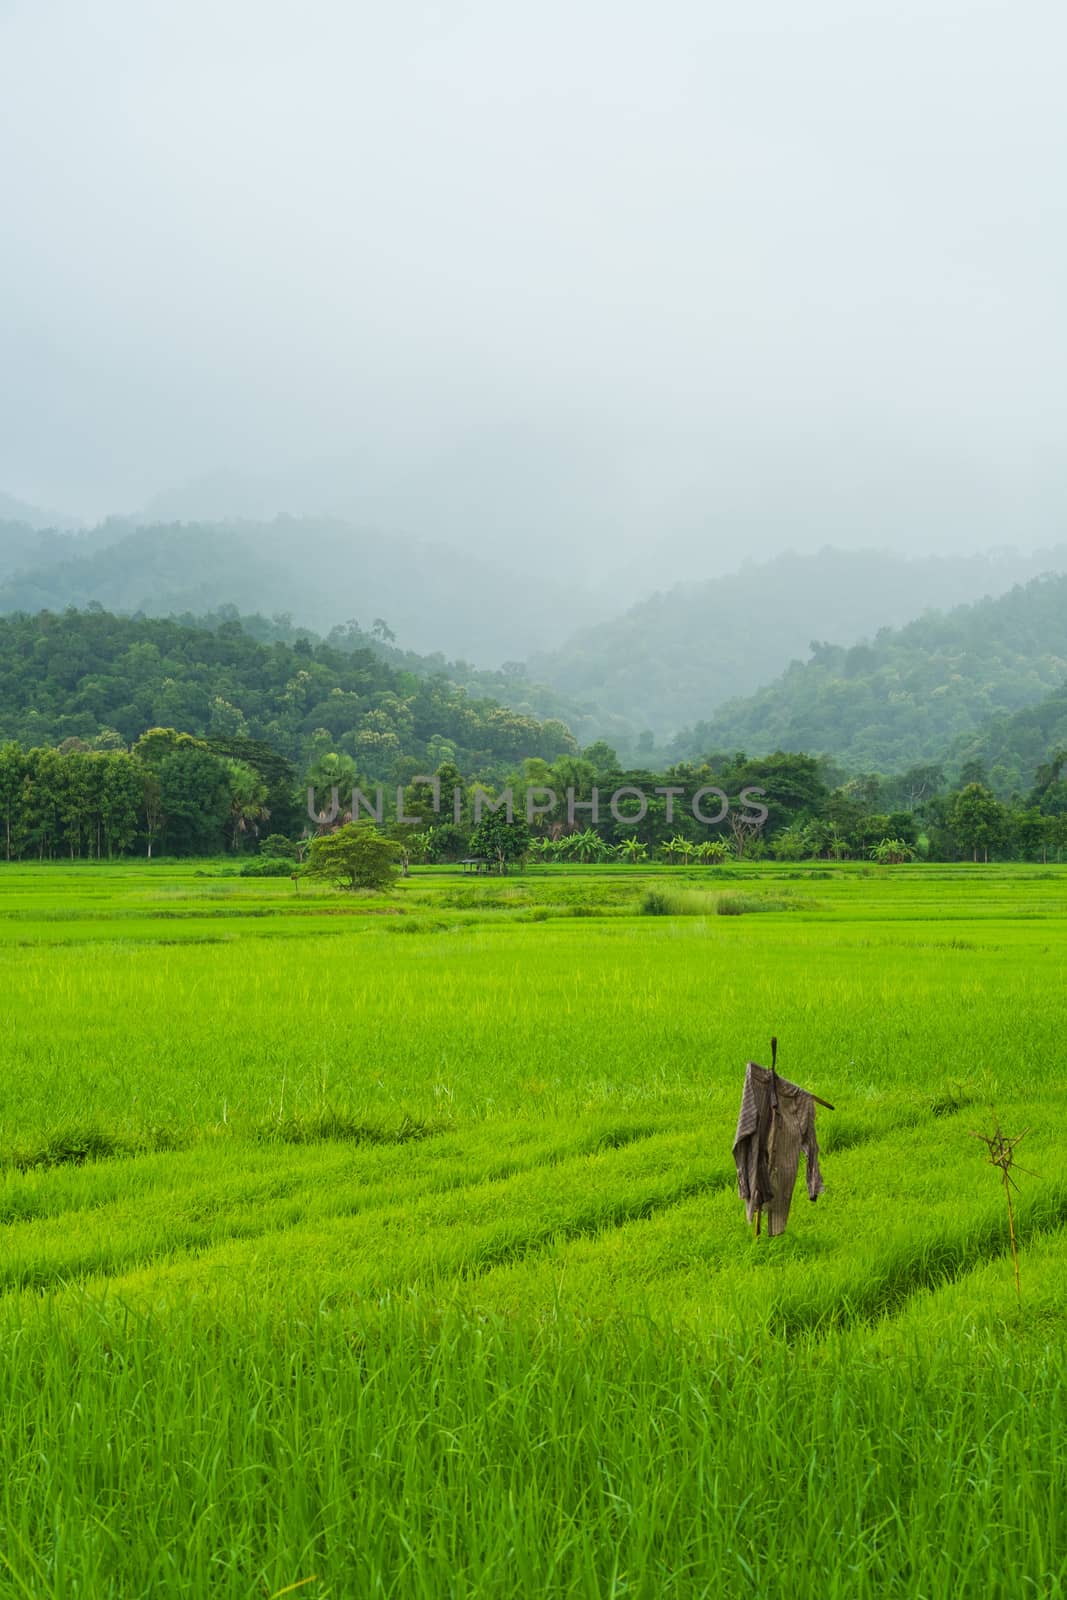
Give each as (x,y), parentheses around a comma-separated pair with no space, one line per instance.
(392,1246)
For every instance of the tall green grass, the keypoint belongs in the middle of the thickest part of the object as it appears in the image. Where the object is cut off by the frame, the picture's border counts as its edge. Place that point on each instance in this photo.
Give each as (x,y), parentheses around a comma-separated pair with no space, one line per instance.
(428,1453)
(415,1267)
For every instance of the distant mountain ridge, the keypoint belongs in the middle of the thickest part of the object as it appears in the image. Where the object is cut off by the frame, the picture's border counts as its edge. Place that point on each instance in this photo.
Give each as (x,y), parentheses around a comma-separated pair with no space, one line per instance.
(668,664)
(672,659)
(917,693)
(321,569)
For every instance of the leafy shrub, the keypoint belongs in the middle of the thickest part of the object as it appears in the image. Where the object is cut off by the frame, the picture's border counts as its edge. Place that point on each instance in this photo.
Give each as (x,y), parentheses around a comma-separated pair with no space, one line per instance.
(741,905)
(678,903)
(266,867)
(277,847)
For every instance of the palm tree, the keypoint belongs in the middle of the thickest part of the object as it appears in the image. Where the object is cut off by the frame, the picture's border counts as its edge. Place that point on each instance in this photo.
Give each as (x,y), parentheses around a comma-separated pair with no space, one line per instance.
(248,796)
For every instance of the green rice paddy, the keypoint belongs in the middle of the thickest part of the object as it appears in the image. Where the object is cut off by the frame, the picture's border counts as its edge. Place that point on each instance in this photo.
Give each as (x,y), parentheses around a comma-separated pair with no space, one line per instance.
(391,1246)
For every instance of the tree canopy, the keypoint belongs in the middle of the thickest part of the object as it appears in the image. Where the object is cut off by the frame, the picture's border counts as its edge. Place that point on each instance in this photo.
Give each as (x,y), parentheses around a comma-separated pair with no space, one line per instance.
(356,856)
(88,674)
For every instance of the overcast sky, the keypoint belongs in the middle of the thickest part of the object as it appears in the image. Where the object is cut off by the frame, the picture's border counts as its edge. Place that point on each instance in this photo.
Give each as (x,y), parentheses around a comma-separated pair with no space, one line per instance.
(758,275)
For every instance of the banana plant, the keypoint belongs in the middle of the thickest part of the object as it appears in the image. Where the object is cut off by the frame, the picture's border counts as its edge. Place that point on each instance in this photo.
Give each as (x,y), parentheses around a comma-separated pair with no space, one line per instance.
(586,845)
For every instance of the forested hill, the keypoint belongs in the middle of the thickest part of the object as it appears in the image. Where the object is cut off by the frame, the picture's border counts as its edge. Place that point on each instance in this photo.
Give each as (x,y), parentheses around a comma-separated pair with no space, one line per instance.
(486,608)
(916,693)
(506,685)
(1011,749)
(678,656)
(668,662)
(79,674)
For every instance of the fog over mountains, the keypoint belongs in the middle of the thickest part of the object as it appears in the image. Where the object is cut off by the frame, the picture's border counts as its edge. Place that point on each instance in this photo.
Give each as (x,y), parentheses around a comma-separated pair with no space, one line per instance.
(616,353)
(615,286)
(661,671)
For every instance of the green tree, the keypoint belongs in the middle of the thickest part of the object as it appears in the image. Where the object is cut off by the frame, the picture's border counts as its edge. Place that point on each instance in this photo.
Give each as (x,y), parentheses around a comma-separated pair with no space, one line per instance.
(500,841)
(1050,790)
(601,757)
(194,793)
(278,847)
(155,818)
(248,802)
(155,745)
(12,777)
(333,770)
(43,801)
(121,798)
(978,820)
(1033,834)
(356,856)
(1059,834)
(791,844)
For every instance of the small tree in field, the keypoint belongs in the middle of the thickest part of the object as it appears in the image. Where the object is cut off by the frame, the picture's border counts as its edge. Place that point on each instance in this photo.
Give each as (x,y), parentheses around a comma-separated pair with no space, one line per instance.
(357,856)
(497,840)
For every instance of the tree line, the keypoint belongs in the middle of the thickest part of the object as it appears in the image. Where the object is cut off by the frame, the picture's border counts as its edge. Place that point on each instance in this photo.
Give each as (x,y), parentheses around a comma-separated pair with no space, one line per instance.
(178,794)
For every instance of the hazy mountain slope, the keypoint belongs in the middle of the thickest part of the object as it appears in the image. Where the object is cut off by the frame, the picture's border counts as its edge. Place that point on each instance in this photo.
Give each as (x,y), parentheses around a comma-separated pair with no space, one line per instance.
(910,694)
(1012,748)
(18,546)
(23,546)
(672,659)
(14,510)
(151,570)
(321,570)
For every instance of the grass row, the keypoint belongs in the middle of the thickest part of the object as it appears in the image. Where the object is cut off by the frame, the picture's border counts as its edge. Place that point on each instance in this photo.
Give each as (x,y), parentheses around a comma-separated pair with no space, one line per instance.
(450,1454)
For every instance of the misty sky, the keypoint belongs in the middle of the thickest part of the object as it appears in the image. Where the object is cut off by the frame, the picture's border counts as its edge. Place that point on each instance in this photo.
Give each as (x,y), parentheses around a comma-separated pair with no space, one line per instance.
(737,276)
